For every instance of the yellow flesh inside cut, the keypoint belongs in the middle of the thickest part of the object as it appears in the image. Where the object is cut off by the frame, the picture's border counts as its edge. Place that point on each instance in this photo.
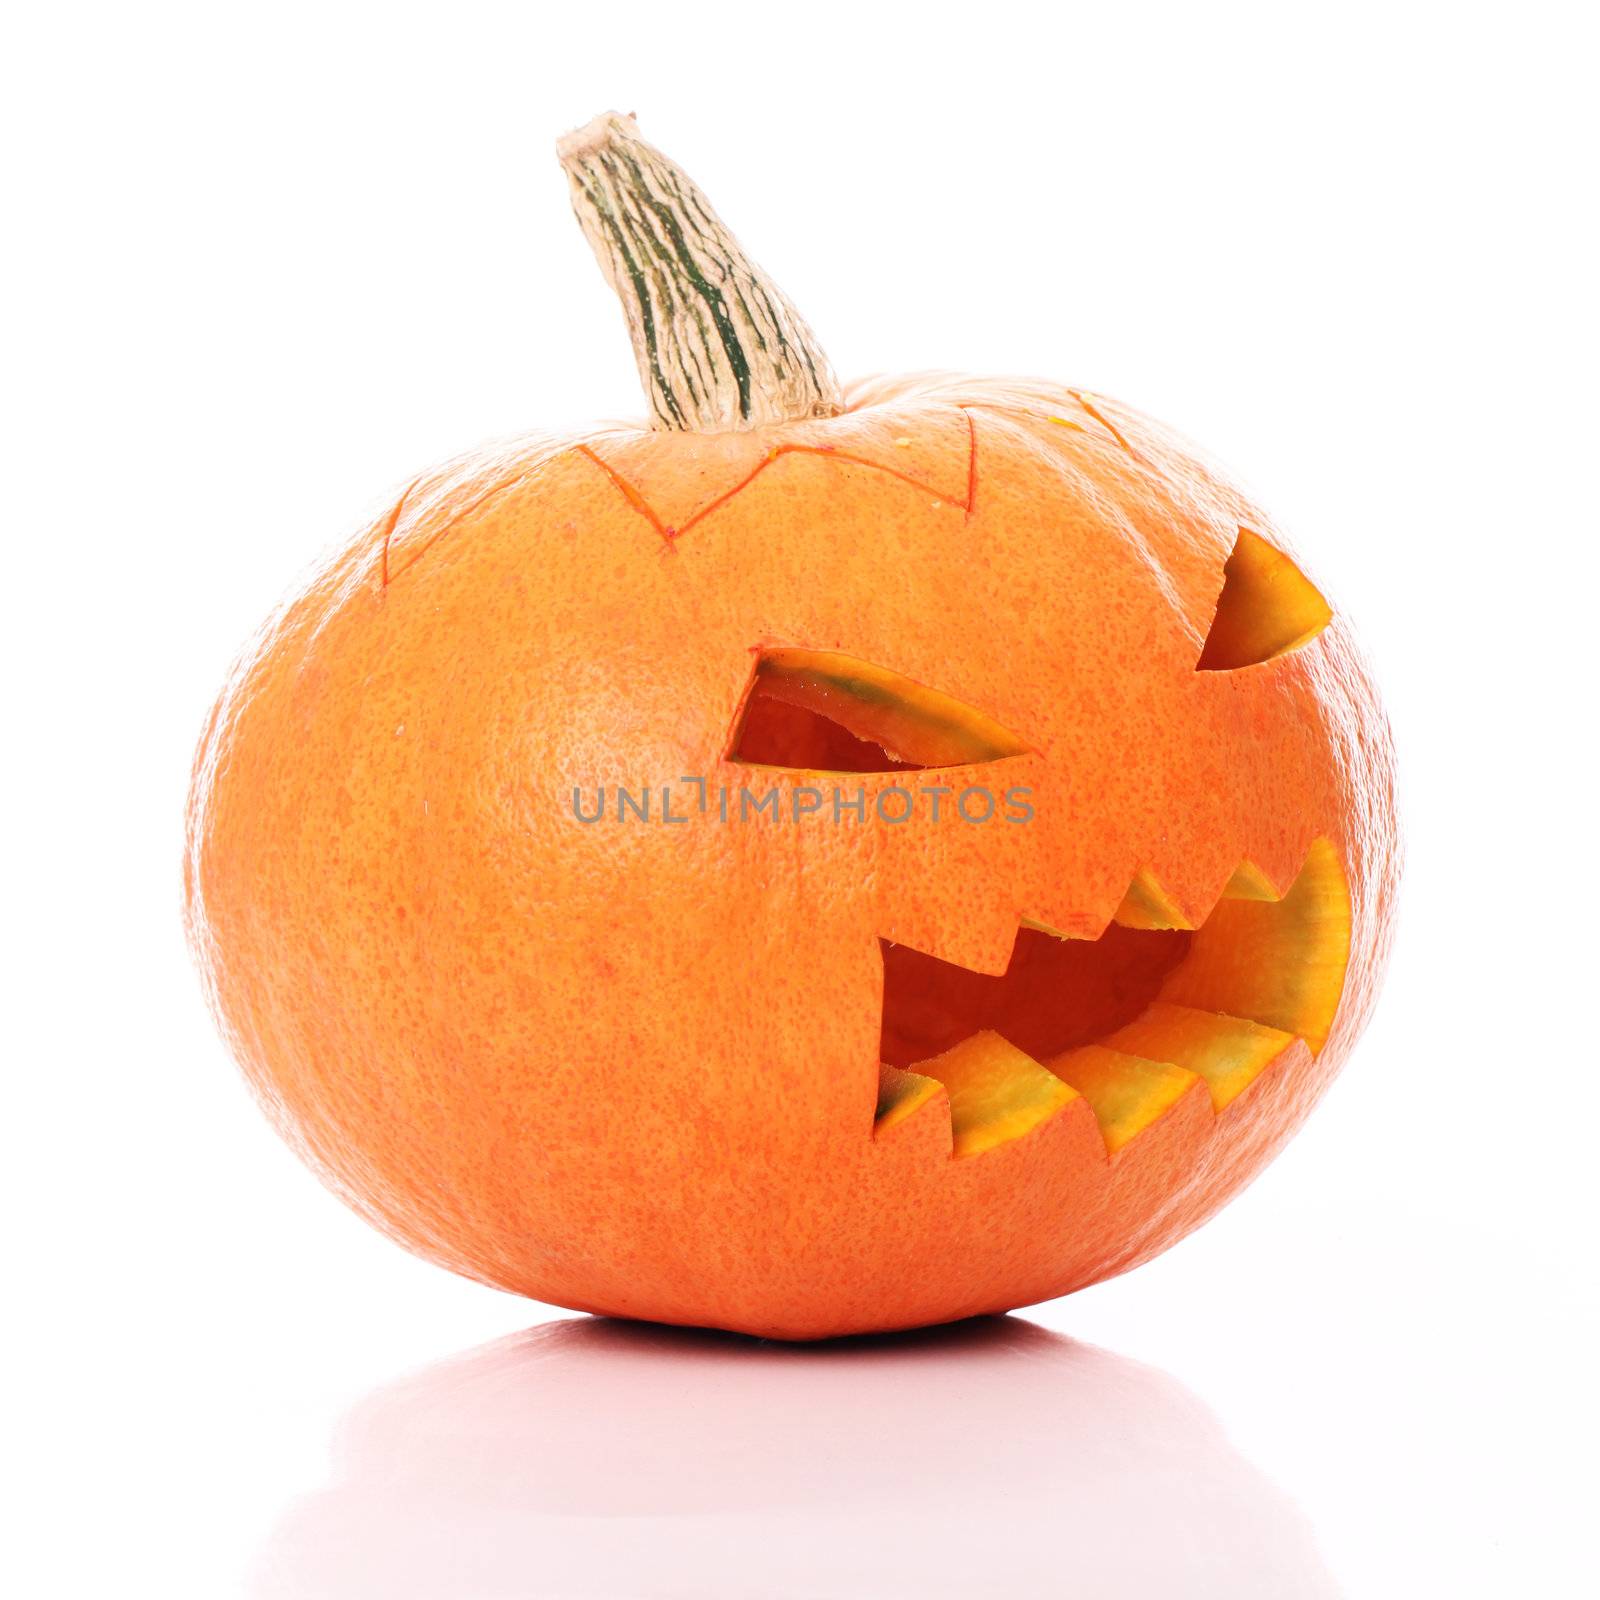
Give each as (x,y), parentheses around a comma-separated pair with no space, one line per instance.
(996,1092)
(1126,1092)
(1267,608)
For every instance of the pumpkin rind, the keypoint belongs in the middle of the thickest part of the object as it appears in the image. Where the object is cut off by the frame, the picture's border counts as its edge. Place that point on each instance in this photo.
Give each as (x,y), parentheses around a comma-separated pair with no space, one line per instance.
(634,1068)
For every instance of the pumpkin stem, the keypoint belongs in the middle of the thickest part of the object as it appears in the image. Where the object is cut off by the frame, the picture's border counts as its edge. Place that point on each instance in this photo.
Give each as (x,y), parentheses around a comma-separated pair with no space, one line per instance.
(720,349)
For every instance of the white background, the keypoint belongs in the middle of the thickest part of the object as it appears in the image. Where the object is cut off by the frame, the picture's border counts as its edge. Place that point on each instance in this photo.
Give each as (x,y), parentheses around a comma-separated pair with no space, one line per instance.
(264,263)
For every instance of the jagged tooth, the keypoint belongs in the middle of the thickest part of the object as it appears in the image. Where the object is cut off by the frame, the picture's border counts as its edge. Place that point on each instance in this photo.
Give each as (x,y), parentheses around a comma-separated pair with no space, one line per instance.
(1249,882)
(1148,905)
(1280,963)
(1229,1053)
(902,1094)
(997,1092)
(980,940)
(1246,882)
(1126,1092)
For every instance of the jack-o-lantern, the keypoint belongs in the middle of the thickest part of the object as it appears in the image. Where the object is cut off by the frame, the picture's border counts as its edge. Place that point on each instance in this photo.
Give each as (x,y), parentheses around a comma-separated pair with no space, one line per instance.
(818,864)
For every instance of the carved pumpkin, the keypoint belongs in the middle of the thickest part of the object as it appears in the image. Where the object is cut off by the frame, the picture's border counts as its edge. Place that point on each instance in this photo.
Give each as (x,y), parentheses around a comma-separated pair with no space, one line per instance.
(819,864)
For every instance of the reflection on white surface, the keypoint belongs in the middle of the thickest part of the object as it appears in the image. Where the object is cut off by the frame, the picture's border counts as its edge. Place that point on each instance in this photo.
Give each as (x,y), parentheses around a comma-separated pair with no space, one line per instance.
(593,1458)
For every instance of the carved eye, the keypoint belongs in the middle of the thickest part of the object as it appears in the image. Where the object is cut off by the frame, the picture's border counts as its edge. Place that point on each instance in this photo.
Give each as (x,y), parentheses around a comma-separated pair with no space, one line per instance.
(1267,608)
(820,711)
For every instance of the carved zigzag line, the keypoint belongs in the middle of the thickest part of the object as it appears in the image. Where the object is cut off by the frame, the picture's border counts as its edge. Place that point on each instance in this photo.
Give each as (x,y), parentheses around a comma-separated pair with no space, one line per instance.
(670,534)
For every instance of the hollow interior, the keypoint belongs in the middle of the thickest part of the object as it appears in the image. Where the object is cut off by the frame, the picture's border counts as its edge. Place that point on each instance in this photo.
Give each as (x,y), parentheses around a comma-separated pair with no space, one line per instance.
(777,734)
(1054,995)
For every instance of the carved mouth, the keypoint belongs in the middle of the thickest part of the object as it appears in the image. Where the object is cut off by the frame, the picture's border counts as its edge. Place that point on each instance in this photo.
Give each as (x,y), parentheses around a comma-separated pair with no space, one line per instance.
(1132,1021)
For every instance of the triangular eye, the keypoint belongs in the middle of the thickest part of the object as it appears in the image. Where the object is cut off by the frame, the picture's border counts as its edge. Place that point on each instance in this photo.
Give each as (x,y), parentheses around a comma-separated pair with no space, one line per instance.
(819,711)
(1267,608)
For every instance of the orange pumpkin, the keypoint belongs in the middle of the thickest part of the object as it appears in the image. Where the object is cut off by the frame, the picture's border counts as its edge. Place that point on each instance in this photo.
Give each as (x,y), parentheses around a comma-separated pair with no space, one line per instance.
(819,864)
